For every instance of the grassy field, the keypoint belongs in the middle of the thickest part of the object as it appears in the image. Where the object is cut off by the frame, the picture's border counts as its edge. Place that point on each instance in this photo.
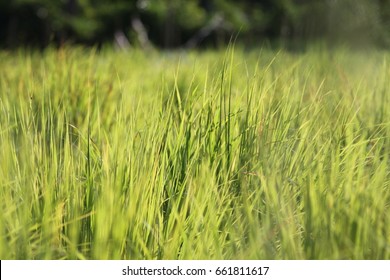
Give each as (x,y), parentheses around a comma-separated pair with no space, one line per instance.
(201,155)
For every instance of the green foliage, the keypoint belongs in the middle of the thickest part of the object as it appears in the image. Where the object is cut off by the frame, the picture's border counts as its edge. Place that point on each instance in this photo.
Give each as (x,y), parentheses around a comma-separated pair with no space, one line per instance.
(134,155)
(187,14)
(171,23)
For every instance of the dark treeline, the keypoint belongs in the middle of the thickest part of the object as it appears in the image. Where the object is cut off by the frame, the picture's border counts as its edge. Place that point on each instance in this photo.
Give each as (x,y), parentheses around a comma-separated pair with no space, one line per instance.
(191,23)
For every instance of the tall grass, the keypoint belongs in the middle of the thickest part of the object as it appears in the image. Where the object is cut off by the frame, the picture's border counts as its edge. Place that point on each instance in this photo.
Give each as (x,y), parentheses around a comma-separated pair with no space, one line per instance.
(234,155)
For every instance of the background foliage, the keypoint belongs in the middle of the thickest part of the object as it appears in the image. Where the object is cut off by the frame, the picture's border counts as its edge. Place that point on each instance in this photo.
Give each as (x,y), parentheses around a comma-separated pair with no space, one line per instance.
(177,23)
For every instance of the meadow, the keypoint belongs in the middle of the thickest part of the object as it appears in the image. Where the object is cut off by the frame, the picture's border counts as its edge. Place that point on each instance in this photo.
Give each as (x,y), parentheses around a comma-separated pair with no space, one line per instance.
(234,154)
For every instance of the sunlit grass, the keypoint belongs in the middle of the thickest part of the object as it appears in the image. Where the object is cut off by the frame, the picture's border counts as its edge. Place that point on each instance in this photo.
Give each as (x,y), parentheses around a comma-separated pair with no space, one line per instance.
(213,155)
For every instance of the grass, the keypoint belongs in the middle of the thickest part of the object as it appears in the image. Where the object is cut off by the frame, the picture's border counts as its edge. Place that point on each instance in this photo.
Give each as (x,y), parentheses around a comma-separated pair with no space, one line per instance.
(214,155)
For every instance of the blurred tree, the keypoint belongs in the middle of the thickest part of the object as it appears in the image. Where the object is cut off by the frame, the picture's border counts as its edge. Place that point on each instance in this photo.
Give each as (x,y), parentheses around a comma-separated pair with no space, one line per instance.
(174,19)
(357,21)
(384,11)
(175,23)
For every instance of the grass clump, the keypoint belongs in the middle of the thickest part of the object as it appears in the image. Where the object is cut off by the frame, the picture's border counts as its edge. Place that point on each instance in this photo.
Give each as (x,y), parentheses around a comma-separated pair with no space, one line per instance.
(235,155)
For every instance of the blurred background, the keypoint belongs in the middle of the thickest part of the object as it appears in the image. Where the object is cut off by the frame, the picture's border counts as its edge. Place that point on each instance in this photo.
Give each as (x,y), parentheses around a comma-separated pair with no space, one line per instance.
(193,23)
